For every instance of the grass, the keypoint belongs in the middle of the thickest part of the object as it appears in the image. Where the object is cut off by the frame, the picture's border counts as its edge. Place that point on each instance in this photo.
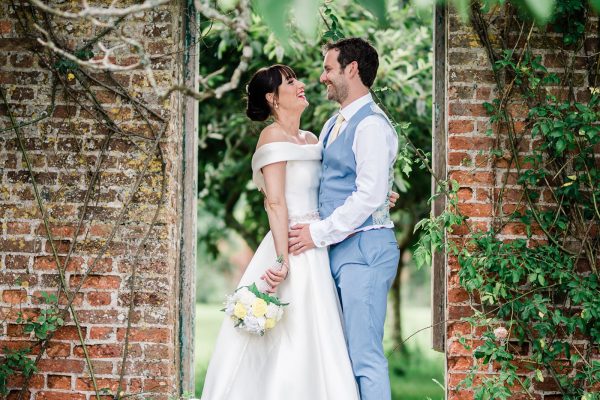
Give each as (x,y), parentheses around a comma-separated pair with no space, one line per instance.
(411,373)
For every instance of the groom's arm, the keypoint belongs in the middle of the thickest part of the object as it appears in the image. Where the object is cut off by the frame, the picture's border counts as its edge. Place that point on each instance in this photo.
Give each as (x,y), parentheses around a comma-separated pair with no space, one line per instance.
(373,146)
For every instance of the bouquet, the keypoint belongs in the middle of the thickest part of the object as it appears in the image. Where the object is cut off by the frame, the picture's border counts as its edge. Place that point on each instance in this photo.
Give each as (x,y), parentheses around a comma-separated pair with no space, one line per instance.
(252,309)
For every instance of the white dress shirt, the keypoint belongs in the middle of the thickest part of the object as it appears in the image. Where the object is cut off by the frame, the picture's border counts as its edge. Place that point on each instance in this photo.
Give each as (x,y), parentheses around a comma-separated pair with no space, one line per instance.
(375,146)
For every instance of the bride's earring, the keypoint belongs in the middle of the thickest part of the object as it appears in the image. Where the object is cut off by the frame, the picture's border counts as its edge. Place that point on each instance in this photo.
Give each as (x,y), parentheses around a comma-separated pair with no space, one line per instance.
(276,105)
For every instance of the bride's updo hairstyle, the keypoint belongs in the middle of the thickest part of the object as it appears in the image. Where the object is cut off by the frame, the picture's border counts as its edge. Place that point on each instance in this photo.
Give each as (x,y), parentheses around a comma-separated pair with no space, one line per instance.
(265,80)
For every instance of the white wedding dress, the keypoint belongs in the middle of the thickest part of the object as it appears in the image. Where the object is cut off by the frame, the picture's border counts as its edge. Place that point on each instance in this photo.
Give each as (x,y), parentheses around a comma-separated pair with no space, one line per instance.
(304,357)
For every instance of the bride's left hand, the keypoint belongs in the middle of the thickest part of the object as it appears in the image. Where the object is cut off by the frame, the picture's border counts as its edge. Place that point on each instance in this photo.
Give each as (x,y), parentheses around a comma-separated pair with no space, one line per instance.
(274,277)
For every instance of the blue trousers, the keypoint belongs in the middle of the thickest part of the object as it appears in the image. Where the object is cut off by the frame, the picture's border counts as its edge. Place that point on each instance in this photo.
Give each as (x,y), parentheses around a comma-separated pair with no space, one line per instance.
(364,267)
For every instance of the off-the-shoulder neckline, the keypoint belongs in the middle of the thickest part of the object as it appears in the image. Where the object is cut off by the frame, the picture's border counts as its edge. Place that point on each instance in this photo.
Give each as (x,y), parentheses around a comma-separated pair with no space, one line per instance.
(282,142)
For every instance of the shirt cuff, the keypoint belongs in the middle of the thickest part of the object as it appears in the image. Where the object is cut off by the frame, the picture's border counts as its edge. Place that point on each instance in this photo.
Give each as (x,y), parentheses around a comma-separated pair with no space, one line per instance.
(316,234)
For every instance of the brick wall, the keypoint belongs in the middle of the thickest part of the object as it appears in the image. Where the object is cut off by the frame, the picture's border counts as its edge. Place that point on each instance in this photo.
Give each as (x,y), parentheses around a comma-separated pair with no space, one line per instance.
(64,150)
(470,83)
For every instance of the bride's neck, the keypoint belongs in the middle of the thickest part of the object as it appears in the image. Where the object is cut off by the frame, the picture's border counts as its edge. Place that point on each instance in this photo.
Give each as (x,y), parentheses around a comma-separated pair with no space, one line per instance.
(290,123)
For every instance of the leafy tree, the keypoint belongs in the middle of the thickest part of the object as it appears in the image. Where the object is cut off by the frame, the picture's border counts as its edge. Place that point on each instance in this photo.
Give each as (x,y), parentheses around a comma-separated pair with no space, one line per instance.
(228,138)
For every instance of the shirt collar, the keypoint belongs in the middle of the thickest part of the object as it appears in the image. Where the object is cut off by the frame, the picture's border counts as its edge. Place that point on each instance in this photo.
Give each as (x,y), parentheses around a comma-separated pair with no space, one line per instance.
(351,109)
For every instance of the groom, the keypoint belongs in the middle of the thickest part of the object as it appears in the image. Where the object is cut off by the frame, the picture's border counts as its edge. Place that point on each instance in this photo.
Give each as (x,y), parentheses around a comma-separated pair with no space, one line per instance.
(360,147)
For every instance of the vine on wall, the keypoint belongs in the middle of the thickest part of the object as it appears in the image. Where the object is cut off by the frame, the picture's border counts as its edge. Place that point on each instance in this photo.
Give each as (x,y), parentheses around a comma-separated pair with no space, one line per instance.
(73,84)
(535,298)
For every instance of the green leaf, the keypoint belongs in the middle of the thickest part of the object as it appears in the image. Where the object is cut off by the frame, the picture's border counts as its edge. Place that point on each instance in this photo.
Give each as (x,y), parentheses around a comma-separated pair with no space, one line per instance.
(377,7)
(275,15)
(306,16)
(541,10)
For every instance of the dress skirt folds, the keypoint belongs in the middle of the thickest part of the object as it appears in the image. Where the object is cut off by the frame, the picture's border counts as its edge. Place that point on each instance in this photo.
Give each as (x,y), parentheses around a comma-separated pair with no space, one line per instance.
(305,356)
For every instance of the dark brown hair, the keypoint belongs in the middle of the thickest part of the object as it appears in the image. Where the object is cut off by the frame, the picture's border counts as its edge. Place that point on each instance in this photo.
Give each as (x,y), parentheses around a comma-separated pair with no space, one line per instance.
(359,50)
(265,80)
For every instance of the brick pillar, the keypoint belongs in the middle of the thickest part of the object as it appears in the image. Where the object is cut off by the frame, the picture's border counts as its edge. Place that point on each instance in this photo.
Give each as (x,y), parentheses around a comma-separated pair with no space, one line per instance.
(470,83)
(64,149)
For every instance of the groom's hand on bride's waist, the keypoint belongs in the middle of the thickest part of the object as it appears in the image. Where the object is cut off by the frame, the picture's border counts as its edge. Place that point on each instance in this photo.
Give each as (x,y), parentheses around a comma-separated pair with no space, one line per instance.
(300,239)
(393,199)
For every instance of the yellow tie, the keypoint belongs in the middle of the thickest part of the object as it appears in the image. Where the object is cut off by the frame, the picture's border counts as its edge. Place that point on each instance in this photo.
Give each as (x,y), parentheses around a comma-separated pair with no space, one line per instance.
(336,129)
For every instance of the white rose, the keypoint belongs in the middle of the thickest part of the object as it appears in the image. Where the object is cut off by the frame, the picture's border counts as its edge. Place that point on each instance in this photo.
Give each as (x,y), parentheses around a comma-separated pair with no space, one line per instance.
(254,325)
(272,311)
(246,297)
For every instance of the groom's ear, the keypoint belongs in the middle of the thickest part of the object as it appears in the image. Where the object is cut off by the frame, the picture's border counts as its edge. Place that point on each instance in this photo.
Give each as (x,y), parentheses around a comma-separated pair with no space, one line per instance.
(352,69)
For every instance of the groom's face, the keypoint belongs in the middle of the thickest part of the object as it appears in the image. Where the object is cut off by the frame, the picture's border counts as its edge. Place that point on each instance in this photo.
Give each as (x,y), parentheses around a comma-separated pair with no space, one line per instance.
(334,77)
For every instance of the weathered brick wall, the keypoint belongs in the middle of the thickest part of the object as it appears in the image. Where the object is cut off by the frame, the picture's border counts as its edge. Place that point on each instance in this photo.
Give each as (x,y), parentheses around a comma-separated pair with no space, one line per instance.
(64,149)
(470,83)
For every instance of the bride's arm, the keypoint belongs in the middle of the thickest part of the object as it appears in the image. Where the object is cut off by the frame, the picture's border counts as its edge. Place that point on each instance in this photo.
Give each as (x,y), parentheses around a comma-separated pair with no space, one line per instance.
(277,212)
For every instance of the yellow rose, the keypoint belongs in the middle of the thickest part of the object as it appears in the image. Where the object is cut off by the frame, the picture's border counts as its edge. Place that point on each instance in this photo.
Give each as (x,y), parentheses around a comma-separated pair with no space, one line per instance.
(269,323)
(259,307)
(240,311)
(70,76)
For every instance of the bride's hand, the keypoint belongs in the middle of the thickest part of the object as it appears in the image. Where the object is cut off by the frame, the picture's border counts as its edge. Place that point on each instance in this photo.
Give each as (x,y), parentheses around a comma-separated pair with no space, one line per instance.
(274,277)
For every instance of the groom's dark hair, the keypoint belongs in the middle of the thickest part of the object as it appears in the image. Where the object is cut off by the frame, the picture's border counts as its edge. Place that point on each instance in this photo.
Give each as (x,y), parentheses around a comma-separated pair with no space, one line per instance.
(359,50)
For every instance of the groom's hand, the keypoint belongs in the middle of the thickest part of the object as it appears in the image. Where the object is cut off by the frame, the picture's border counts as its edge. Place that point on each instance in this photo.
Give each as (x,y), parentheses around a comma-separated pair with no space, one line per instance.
(300,239)
(392,199)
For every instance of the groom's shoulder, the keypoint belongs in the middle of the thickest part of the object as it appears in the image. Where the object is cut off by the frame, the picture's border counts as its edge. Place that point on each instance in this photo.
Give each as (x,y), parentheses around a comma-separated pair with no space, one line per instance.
(379,113)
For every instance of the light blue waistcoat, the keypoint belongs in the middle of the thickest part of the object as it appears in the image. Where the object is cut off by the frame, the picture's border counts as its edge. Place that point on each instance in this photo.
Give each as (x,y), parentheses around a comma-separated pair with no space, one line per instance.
(338,173)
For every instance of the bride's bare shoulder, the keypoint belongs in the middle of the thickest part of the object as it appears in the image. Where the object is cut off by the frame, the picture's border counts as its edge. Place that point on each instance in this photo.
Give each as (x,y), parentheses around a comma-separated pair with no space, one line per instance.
(270,134)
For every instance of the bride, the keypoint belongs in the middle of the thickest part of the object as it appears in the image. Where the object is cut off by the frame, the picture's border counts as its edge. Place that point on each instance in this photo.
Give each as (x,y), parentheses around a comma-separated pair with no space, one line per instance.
(304,357)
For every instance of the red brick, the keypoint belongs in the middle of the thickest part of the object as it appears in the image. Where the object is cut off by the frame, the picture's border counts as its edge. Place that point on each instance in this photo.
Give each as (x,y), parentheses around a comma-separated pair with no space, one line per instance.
(17,262)
(153,335)
(101,332)
(85,384)
(457,312)
(58,231)
(472,178)
(157,352)
(61,366)
(459,363)
(5,27)
(457,295)
(470,143)
(56,349)
(16,296)
(99,298)
(68,332)
(22,60)
(457,159)
(460,126)
(475,210)
(47,263)
(18,228)
(458,328)
(59,382)
(467,110)
(465,194)
(483,195)
(96,281)
(461,394)
(48,395)
(99,351)
(36,381)
(19,245)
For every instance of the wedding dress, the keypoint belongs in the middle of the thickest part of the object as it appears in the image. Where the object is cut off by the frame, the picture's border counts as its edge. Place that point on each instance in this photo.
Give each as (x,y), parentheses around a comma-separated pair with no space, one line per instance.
(304,357)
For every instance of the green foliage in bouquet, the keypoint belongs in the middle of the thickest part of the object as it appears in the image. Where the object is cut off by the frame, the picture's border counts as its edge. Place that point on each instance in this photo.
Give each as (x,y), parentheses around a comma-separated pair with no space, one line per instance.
(265,296)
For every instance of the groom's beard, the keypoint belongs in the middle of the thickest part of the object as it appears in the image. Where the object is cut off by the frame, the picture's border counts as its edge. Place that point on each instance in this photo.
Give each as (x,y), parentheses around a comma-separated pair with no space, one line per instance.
(338,92)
